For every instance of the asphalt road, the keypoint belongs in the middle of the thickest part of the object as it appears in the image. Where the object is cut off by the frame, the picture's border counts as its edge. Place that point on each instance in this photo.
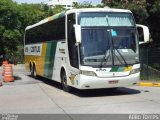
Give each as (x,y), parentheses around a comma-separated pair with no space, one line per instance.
(42,96)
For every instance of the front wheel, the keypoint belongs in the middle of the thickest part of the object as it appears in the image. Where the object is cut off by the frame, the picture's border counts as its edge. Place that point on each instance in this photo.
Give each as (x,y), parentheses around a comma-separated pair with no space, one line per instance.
(64,82)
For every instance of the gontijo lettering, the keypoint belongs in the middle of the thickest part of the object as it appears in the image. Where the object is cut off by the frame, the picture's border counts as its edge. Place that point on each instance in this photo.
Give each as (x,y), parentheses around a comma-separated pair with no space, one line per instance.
(35,49)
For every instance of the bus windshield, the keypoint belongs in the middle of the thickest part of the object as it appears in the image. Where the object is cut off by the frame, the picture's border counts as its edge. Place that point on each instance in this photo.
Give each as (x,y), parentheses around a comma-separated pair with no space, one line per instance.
(106,19)
(107,45)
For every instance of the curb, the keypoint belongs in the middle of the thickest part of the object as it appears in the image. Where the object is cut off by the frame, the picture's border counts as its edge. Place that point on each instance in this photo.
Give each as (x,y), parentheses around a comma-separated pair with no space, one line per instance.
(149,84)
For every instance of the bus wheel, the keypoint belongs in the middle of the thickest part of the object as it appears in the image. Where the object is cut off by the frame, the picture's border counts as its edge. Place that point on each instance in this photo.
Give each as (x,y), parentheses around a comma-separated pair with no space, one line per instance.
(64,82)
(34,73)
(31,71)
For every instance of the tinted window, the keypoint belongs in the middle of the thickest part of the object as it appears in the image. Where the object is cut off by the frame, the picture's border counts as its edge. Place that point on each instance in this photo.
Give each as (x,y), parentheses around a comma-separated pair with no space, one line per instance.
(53,30)
(73,51)
(140,33)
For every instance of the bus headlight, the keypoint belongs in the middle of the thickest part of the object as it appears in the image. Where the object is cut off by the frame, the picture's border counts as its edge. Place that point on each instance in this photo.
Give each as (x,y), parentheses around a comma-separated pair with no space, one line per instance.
(134,71)
(88,73)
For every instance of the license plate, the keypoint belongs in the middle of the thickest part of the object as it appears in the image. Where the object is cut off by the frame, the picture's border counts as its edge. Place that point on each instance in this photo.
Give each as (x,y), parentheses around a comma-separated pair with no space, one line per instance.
(113,82)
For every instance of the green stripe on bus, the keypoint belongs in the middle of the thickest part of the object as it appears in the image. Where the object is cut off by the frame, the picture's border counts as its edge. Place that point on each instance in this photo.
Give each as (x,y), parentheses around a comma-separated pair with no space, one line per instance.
(49,60)
(118,69)
(114,69)
(121,69)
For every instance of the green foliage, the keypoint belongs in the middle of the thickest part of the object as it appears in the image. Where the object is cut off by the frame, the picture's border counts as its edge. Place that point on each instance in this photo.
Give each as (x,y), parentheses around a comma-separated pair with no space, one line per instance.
(57,9)
(9,17)
(86,4)
(153,7)
(9,25)
(83,5)
(30,14)
(138,7)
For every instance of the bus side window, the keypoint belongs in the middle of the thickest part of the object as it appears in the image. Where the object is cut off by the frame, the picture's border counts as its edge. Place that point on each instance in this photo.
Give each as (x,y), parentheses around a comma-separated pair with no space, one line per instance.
(73,51)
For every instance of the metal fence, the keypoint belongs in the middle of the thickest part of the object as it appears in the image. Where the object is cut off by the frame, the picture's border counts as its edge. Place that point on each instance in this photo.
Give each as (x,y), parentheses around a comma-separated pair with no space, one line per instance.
(150,63)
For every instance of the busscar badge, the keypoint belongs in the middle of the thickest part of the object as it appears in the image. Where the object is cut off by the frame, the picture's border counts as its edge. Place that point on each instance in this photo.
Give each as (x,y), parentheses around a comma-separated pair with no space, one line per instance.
(71,77)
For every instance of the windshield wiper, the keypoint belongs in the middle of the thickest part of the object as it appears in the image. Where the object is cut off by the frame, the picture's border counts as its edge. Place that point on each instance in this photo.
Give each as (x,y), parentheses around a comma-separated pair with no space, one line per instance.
(121,57)
(105,57)
(110,42)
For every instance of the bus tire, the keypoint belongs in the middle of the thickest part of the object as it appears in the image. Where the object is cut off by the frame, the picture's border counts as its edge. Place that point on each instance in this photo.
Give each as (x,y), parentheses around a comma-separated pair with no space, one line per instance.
(31,71)
(34,74)
(65,86)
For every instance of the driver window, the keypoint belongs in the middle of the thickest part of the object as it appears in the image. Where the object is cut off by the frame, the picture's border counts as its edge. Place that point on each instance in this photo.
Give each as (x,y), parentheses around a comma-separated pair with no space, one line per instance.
(73,50)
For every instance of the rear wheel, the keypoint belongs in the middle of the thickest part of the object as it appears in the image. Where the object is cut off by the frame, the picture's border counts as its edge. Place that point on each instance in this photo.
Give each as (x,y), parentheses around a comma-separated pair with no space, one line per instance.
(64,82)
(33,71)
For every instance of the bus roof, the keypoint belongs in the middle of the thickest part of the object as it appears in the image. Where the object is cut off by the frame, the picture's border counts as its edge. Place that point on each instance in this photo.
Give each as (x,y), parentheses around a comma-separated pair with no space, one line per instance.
(59,15)
(98,10)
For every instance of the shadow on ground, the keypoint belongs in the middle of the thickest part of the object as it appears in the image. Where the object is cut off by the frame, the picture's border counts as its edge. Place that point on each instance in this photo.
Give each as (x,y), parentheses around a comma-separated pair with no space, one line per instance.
(17,78)
(94,92)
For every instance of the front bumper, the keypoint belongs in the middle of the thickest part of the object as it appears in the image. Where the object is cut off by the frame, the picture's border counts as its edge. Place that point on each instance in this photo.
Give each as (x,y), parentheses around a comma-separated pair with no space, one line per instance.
(93,82)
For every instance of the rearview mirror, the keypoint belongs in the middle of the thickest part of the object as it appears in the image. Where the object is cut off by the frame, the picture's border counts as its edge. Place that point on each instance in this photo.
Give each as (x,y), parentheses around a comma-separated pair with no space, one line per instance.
(78,33)
(143,32)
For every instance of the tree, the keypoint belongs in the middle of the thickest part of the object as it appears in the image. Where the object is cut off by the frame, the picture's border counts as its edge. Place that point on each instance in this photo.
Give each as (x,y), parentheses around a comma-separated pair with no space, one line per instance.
(30,14)
(83,5)
(153,8)
(138,7)
(9,25)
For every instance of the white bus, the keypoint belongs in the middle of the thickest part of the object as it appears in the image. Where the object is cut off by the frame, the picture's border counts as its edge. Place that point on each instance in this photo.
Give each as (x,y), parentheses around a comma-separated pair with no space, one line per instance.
(87,48)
